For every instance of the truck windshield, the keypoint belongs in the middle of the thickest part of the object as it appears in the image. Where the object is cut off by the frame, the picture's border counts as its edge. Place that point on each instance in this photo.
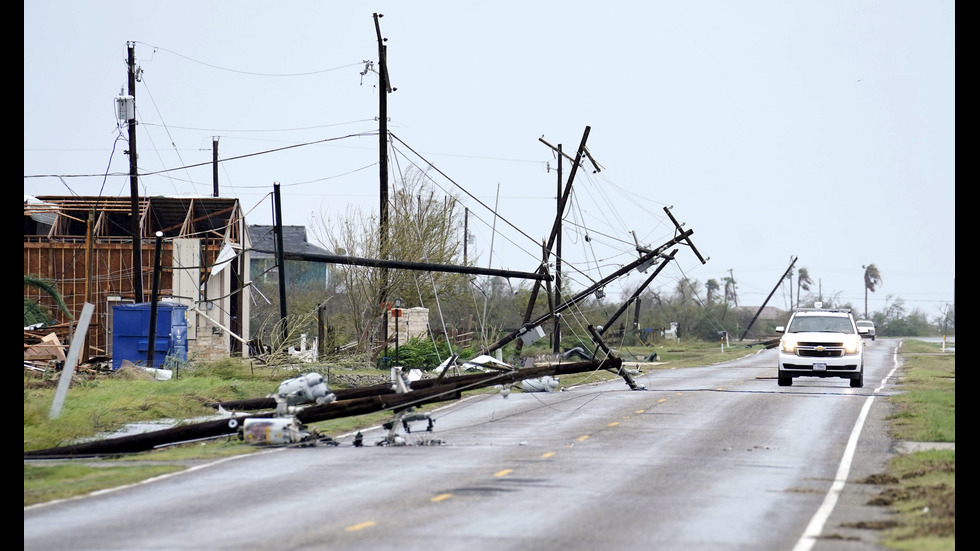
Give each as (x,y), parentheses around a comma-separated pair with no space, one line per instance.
(833,324)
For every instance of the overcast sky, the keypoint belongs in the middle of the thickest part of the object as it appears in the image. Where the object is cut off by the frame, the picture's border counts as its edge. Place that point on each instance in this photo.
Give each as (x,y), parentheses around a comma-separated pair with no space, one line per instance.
(822,131)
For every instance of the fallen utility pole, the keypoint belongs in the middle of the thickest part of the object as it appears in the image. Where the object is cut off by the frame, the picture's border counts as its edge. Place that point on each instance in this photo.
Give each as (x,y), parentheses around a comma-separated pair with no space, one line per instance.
(424,393)
(598,332)
(405,265)
(646,258)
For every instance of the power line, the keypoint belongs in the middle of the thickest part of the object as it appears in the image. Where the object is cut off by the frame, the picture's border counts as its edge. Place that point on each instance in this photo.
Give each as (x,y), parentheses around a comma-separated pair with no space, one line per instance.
(317,72)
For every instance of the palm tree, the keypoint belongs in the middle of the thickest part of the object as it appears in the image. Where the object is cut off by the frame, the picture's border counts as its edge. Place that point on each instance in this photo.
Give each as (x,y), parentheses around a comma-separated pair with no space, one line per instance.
(730,290)
(711,285)
(872,278)
(33,311)
(803,281)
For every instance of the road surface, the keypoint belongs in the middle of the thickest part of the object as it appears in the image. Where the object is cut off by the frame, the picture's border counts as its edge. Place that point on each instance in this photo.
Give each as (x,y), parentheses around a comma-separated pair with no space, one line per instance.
(713,457)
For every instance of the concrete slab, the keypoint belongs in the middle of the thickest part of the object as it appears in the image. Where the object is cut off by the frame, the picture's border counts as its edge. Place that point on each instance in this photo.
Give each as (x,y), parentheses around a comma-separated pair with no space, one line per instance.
(912,447)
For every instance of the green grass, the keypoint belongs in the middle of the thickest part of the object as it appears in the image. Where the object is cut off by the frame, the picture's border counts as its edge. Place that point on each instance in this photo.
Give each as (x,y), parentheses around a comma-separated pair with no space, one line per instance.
(61,481)
(106,402)
(921,486)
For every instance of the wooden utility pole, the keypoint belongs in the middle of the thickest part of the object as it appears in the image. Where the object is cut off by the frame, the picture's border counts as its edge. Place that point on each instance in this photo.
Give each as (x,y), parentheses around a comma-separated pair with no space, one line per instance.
(645,258)
(282,265)
(385,89)
(562,201)
(154,302)
(731,275)
(214,163)
(134,191)
(558,215)
(89,268)
(786,273)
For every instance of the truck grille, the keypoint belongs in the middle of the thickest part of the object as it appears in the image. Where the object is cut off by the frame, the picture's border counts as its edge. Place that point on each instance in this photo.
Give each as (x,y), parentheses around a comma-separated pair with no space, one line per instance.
(820,350)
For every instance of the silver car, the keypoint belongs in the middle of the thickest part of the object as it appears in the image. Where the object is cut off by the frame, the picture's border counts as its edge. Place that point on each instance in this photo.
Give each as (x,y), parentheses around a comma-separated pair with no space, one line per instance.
(869,325)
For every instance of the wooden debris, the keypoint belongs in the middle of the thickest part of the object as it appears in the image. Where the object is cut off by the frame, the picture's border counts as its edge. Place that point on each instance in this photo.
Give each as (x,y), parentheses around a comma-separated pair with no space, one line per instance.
(50,348)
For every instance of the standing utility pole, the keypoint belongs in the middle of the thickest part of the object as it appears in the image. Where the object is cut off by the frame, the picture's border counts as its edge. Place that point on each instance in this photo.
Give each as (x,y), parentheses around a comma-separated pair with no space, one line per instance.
(214,163)
(557,331)
(134,191)
(562,201)
(385,87)
(152,340)
(281,338)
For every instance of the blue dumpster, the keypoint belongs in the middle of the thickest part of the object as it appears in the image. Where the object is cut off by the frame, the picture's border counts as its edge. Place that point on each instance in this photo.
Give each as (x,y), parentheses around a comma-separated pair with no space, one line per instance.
(131,328)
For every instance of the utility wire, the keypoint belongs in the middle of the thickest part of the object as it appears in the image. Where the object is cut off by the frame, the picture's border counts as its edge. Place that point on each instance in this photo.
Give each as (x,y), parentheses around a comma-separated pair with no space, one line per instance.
(317,72)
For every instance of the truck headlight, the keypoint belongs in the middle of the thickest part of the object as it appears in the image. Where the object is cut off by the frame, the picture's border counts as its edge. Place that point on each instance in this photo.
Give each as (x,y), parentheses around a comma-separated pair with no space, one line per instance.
(852,345)
(788,344)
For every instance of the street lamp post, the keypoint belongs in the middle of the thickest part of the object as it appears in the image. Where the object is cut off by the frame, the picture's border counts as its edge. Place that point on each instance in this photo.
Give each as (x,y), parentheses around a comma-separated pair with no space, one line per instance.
(398,314)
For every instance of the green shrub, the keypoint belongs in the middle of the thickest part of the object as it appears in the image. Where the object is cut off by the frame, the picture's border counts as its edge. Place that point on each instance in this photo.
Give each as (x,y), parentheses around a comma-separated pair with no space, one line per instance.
(420,353)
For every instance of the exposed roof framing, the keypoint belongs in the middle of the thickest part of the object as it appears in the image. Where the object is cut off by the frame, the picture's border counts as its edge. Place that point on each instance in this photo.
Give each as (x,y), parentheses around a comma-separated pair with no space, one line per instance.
(65,217)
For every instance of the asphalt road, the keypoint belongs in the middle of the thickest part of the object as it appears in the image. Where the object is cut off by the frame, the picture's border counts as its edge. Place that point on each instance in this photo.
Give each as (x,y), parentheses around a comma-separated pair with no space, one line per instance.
(714,457)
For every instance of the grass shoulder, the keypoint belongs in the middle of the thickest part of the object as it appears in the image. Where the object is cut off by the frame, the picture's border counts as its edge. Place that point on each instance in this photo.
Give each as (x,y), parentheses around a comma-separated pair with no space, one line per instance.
(920,487)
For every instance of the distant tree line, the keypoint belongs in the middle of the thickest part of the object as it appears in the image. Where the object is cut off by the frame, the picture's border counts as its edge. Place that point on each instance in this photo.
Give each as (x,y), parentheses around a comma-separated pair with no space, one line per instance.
(427,227)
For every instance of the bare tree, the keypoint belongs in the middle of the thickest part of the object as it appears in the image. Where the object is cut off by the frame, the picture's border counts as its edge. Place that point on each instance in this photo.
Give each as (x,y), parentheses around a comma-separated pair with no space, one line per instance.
(424,227)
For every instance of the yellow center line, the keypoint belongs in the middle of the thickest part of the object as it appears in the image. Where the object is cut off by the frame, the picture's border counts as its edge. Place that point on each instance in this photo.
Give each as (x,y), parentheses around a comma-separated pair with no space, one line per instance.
(360,526)
(441,497)
(662,400)
(547,455)
(504,472)
(613,424)
(640,410)
(583,438)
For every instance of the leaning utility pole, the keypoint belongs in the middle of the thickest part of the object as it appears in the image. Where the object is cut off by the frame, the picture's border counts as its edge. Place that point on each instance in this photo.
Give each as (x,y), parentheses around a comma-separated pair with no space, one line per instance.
(786,273)
(646,259)
(134,191)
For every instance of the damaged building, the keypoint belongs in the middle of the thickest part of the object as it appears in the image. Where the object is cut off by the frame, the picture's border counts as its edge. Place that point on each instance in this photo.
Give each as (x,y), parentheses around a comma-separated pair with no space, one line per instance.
(84,246)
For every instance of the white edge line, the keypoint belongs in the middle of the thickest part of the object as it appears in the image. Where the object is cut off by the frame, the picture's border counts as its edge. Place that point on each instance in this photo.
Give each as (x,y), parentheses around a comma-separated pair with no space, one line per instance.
(196,467)
(148,480)
(815,527)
